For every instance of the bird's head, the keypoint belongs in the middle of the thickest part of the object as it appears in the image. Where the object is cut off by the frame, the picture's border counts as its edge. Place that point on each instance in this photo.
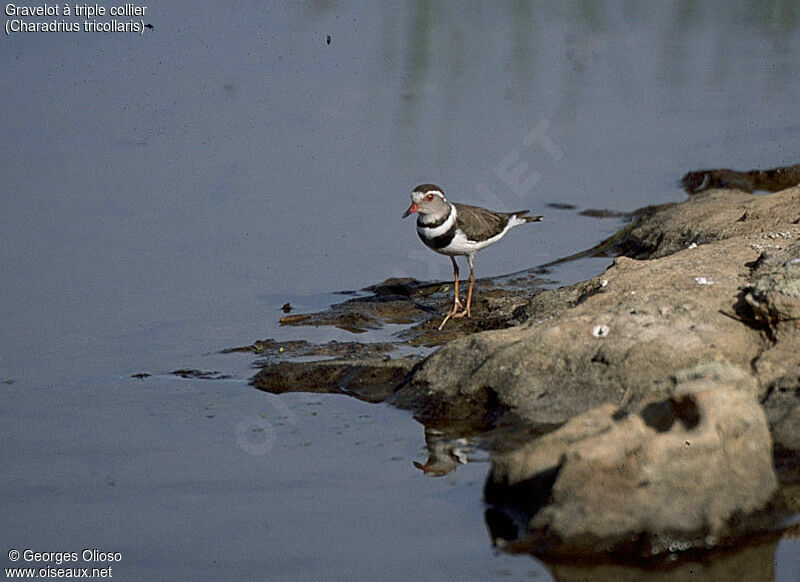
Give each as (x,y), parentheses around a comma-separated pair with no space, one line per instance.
(428,200)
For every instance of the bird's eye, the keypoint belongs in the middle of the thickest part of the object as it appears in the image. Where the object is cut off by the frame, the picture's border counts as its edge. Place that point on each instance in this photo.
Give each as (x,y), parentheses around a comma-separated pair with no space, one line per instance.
(429,197)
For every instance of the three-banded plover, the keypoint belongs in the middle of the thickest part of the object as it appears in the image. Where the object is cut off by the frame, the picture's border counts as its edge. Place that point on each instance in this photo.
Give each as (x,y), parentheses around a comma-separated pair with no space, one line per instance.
(459,229)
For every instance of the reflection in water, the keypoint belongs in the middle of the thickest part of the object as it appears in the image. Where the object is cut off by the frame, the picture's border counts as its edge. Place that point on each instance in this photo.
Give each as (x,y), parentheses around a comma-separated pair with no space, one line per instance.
(752,563)
(509,511)
(445,454)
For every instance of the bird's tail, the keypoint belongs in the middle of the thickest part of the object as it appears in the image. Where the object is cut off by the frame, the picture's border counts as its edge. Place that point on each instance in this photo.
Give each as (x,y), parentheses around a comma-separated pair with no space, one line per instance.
(521,216)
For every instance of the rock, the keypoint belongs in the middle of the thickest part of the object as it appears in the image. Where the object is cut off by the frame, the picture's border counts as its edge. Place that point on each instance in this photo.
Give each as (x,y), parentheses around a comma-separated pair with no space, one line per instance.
(782,406)
(270,347)
(775,297)
(791,497)
(402,287)
(272,350)
(691,471)
(422,306)
(367,379)
(553,367)
(199,374)
(775,302)
(772,180)
(603,213)
(294,319)
(710,216)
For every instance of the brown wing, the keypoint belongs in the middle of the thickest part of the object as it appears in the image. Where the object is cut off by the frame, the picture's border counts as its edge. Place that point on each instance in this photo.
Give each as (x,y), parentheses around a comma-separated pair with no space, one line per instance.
(479,223)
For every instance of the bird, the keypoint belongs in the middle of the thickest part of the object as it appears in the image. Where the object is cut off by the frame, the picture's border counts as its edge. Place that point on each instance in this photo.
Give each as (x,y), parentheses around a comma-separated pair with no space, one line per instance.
(454,229)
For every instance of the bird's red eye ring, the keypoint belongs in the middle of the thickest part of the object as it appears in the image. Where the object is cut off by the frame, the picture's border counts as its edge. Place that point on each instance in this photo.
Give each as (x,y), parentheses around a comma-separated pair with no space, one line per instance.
(429,197)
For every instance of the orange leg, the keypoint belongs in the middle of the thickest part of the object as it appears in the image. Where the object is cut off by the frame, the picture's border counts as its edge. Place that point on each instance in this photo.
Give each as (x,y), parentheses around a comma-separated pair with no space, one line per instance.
(456,302)
(466,312)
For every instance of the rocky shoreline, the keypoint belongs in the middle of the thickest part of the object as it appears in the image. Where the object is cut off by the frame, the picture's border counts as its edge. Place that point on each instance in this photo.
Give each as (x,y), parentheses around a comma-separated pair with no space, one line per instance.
(663,395)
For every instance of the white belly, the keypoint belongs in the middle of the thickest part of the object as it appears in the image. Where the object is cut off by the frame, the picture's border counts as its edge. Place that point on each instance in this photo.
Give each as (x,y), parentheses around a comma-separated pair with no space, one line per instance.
(461,245)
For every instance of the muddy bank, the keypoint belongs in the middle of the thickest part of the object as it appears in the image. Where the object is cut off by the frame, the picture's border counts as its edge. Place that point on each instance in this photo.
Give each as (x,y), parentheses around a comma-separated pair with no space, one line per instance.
(673,375)
(422,306)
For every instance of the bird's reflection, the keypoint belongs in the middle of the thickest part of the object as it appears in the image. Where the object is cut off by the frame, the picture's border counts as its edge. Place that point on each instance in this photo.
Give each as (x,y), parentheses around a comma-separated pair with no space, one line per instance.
(445,453)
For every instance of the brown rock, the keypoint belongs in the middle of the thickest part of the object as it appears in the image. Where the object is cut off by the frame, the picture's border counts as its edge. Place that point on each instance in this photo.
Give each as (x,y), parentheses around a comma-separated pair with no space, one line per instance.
(691,471)
(367,379)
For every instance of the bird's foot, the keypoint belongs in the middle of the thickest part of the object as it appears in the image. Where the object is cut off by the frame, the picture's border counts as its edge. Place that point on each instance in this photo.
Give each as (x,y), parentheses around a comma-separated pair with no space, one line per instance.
(453,313)
(441,325)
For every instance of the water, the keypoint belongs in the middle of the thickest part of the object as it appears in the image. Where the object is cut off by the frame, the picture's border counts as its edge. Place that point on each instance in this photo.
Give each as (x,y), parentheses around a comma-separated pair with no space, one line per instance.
(163,194)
